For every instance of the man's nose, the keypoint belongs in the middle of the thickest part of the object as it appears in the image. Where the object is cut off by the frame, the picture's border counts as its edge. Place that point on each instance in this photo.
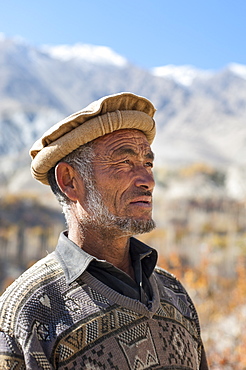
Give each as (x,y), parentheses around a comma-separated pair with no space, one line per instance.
(145,179)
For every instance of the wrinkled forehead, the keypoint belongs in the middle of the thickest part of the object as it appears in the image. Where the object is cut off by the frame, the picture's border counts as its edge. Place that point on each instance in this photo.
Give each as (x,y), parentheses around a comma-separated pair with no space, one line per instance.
(123,141)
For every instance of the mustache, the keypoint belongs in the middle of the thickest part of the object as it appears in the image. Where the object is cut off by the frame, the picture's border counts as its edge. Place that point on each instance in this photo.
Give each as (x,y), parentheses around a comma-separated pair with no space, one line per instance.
(140,193)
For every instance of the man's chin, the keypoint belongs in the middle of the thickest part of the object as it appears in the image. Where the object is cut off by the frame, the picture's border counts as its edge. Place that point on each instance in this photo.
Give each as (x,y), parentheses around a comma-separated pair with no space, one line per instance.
(135,226)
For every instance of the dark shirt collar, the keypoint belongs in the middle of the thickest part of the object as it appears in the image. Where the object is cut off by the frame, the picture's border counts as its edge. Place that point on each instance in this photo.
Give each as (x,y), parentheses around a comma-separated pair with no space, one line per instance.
(74,260)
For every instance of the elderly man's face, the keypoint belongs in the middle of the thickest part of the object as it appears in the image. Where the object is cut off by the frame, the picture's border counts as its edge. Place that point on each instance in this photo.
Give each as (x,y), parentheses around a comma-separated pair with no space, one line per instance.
(123,177)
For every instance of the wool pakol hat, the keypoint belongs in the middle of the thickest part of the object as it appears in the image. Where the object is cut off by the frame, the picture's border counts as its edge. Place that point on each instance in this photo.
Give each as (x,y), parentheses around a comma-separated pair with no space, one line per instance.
(108,114)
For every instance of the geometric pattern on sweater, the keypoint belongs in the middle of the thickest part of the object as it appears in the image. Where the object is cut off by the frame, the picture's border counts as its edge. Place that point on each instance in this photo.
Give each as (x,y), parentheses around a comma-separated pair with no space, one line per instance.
(135,339)
(8,362)
(92,330)
(22,288)
(41,360)
(138,338)
(86,325)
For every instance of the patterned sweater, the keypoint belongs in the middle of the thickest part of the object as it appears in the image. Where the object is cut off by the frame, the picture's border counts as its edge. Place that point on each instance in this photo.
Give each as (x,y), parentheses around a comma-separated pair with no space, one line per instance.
(47,324)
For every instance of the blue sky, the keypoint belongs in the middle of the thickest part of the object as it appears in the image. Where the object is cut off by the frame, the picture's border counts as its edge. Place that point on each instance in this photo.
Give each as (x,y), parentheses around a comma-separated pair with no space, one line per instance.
(207,34)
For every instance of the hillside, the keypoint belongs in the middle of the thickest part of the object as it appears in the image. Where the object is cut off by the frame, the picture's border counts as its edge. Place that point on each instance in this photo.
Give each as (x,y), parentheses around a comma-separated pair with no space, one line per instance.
(200,114)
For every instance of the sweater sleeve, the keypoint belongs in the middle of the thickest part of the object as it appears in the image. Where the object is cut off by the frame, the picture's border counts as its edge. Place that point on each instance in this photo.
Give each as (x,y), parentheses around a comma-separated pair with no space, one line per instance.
(11,356)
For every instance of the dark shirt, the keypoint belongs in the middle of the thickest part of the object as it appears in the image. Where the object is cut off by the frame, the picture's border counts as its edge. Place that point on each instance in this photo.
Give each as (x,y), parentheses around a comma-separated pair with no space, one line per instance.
(75,261)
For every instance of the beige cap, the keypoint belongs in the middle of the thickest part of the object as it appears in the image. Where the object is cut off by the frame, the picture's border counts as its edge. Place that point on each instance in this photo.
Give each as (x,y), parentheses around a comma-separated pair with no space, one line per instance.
(108,114)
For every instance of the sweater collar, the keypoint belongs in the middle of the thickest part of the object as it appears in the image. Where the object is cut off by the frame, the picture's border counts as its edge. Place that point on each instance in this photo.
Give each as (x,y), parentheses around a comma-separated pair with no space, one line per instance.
(74,260)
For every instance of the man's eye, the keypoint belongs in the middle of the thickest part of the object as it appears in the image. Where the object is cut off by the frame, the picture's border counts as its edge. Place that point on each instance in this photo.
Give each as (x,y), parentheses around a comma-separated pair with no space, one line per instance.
(126,161)
(149,164)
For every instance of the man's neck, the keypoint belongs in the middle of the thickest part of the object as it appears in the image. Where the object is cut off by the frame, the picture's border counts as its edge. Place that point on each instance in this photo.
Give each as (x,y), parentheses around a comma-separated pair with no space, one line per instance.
(112,247)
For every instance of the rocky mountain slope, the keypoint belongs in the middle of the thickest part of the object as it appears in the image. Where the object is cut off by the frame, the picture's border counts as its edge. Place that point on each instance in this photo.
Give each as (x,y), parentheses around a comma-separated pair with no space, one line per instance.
(201,115)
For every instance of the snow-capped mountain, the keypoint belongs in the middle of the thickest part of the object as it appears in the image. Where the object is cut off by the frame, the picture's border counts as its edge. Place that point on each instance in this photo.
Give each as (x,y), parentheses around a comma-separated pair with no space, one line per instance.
(88,53)
(184,75)
(200,114)
(238,69)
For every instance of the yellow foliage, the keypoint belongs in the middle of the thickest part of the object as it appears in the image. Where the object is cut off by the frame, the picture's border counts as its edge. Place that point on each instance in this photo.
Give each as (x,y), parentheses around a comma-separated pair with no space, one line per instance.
(195,169)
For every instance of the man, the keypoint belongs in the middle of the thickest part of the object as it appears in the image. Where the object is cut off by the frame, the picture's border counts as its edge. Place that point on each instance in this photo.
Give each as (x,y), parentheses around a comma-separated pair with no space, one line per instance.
(98,301)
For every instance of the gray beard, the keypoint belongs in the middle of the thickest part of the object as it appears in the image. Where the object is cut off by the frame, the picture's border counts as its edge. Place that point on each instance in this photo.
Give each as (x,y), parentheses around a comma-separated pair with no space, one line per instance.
(100,217)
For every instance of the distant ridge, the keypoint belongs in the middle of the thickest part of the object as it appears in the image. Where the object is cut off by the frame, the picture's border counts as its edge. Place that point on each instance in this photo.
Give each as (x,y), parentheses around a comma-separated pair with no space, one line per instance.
(201,115)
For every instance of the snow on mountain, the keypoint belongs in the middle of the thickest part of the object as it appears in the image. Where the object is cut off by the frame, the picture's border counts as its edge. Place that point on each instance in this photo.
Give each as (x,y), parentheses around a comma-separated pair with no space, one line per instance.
(89,53)
(184,75)
(238,69)
(200,114)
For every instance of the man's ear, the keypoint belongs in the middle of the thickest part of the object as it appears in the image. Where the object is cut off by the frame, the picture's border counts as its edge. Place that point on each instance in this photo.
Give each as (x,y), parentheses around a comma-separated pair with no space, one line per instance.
(68,180)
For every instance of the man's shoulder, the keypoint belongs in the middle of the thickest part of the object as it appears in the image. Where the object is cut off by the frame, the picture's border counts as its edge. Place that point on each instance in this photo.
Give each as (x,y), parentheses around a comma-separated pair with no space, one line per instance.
(42,271)
(169,281)
(171,290)
(164,274)
(29,290)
